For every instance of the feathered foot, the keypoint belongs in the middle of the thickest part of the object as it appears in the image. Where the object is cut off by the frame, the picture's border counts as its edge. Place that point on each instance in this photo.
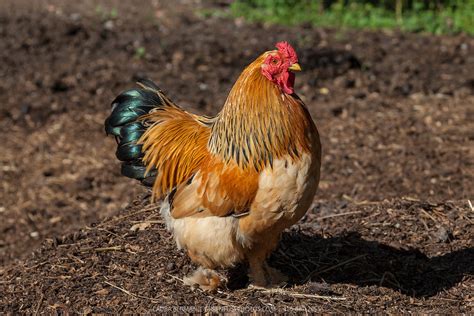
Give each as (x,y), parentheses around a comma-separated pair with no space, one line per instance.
(207,279)
(264,276)
(275,277)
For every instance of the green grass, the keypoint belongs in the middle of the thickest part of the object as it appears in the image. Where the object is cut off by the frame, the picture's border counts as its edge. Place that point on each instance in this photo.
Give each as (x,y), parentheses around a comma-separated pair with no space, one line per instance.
(357,14)
(140,52)
(106,14)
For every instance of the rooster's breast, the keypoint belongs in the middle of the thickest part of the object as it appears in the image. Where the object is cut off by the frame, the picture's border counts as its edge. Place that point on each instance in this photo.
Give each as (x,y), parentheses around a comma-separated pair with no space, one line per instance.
(285,192)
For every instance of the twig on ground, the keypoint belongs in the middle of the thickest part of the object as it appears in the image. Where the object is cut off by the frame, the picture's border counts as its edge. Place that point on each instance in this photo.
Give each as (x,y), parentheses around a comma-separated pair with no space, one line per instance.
(317,272)
(175,277)
(40,302)
(424,224)
(111,233)
(72,257)
(148,209)
(365,202)
(429,215)
(147,222)
(337,215)
(222,301)
(411,199)
(104,249)
(130,293)
(302,295)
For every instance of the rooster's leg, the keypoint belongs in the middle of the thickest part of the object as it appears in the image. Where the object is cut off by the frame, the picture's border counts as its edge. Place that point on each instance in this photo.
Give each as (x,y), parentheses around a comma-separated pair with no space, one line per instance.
(275,276)
(257,273)
(207,279)
(260,273)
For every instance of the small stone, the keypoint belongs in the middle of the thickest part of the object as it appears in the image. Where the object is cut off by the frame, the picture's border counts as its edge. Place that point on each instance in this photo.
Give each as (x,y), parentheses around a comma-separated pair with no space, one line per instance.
(350,83)
(109,25)
(102,292)
(360,95)
(324,91)
(75,17)
(140,226)
(444,235)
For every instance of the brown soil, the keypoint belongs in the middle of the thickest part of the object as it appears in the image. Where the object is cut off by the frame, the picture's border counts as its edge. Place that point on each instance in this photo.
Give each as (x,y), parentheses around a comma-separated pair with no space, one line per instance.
(391,228)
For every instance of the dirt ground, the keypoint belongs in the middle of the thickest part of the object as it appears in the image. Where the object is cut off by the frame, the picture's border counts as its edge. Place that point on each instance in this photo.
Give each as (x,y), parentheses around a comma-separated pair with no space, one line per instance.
(391,228)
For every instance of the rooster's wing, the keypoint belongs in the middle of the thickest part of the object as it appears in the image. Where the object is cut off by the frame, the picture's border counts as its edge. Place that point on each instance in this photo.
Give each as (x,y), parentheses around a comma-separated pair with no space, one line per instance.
(196,182)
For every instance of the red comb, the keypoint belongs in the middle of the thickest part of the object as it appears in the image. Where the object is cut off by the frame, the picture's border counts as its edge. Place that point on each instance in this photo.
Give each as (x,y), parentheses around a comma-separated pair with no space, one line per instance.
(287,51)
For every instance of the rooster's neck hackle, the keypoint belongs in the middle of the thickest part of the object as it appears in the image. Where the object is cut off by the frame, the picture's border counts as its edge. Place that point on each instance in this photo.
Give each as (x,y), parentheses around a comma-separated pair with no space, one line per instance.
(259,123)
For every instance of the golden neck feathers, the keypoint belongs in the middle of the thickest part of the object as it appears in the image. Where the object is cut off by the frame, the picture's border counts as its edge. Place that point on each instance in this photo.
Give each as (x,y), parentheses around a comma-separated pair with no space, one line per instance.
(259,123)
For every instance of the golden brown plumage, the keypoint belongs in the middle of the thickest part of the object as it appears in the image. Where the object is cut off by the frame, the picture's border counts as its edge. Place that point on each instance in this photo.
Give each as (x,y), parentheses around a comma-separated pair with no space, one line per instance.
(175,144)
(231,184)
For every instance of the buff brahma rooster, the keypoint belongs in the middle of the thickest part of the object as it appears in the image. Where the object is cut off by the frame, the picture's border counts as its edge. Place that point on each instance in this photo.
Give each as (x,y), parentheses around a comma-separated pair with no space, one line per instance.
(228,185)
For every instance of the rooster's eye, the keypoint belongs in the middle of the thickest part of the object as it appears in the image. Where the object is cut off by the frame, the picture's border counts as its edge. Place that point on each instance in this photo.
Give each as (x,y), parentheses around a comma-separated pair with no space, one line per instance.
(274,61)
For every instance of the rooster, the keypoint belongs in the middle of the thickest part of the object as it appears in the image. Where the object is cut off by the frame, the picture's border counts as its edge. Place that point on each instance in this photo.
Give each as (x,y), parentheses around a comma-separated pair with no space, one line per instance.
(228,185)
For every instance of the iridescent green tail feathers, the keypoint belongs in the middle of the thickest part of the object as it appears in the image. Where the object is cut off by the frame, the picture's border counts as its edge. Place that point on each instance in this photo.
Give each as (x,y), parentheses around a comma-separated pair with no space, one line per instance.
(125,125)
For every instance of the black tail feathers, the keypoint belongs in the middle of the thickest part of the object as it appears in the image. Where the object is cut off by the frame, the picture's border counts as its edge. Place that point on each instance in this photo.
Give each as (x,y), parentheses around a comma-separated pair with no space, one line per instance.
(123,124)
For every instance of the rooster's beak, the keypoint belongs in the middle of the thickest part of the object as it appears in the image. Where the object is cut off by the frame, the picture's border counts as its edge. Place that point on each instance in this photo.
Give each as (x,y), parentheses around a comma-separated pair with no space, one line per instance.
(295,67)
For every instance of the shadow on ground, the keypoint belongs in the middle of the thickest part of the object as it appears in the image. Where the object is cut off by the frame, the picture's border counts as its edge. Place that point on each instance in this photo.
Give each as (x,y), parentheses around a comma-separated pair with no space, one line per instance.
(352,259)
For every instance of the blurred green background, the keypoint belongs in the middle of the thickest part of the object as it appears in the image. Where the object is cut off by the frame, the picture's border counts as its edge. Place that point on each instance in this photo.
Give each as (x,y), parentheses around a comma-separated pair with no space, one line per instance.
(433,16)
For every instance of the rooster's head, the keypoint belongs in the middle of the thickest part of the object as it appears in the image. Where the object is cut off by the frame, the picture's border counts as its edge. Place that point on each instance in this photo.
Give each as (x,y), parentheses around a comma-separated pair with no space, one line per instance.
(279,65)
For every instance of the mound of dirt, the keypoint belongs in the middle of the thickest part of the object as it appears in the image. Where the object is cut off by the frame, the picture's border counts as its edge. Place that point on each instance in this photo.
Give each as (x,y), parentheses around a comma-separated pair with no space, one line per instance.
(398,256)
